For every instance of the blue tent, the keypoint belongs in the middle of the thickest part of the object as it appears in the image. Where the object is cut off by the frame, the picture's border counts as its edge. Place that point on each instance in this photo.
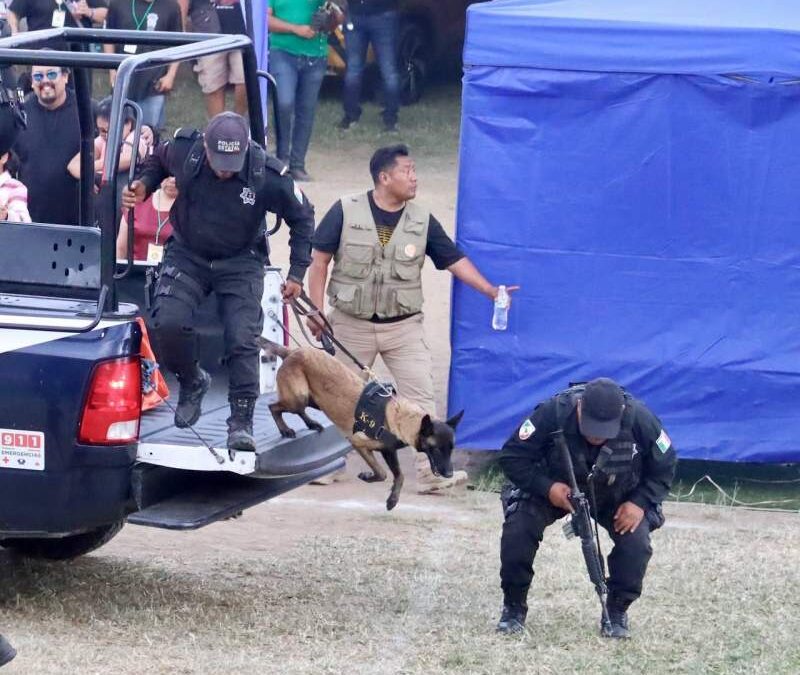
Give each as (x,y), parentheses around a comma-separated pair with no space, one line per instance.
(633,166)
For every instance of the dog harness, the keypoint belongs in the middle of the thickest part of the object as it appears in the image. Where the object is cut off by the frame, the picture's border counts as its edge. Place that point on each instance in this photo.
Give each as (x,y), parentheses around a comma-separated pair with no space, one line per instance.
(370,415)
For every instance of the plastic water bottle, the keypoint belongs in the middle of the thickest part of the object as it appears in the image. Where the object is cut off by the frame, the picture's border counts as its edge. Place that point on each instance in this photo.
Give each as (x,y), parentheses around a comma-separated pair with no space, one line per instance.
(500,315)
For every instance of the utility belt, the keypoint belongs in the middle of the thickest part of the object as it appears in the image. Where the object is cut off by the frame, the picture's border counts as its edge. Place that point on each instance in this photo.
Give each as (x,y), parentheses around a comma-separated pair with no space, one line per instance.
(392,319)
(513,498)
(177,282)
(252,248)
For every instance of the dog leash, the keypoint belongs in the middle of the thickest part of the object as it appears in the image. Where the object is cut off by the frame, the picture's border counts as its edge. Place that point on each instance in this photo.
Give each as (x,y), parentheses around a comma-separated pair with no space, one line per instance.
(303,307)
(191,428)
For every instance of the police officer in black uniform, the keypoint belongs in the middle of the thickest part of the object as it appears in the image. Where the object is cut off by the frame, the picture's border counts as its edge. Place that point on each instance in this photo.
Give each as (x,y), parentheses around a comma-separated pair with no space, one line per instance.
(226,184)
(617,441)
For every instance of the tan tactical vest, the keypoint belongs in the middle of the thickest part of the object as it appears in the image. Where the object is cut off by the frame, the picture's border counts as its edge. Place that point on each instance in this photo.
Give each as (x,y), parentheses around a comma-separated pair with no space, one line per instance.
(369,279)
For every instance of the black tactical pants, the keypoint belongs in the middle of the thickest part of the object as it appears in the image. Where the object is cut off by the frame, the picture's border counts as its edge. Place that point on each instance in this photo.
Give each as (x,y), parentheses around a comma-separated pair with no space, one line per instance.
(185,281)
(524,527)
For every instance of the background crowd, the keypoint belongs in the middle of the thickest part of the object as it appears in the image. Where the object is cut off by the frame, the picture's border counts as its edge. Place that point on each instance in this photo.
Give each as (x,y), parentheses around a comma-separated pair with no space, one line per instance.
(299,34)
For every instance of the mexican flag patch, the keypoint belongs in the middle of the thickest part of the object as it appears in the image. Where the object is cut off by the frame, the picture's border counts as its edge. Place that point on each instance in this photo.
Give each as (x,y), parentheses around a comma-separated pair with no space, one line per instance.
(663,442)
(526,430)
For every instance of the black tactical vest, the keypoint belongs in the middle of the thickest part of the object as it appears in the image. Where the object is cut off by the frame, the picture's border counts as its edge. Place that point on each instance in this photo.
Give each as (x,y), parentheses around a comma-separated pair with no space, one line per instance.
(618,466)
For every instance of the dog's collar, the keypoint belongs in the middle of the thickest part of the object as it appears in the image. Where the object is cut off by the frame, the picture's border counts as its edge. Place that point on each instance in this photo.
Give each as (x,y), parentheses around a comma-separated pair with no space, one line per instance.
(370,415)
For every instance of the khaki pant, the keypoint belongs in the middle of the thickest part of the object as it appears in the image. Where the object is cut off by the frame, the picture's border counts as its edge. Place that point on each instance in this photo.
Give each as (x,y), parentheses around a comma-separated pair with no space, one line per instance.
(401,345)
(404,350)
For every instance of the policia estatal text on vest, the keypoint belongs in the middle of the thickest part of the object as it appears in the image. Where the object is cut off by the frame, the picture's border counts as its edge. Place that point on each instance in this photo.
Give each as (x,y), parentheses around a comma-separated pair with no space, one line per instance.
(621,453)
(226,184)
(378,241)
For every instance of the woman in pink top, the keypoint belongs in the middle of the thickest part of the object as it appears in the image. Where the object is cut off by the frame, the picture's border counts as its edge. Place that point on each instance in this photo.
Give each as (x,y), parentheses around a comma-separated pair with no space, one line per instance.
(13,196)
(151,226)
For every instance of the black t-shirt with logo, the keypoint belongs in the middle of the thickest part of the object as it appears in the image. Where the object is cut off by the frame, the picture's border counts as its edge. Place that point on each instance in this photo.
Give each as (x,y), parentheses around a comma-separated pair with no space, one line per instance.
(440,248)
(39,13)
(51,140)
(161,15)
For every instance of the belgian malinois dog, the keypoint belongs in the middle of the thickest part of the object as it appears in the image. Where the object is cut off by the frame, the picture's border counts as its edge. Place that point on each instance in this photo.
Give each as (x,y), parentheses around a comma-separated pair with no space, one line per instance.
(310,377)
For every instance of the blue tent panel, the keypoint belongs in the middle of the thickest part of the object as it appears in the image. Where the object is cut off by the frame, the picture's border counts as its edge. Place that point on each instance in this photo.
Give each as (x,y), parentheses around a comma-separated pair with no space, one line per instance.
(651,220)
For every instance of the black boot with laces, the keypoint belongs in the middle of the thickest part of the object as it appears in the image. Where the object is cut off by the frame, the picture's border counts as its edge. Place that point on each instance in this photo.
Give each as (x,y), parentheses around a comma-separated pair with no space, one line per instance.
(240,425)
(512,620)
(190,399)
(618,628)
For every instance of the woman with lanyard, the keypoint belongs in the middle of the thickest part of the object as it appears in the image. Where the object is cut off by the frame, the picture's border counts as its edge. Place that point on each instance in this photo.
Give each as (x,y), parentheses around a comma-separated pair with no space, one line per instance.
(151,225)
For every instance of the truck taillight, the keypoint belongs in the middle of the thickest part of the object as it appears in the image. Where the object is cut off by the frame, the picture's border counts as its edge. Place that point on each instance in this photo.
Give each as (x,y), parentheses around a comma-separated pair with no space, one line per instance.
(286,323)
(114,403)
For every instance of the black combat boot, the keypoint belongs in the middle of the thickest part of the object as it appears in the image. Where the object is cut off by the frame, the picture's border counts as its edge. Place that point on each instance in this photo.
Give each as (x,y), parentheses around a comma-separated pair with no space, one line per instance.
(512,619)
(618,614)
(7,652)
(240,424)
(190,398)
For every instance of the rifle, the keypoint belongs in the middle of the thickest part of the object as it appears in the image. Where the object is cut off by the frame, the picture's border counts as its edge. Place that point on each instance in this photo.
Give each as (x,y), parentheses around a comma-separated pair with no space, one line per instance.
(580,525)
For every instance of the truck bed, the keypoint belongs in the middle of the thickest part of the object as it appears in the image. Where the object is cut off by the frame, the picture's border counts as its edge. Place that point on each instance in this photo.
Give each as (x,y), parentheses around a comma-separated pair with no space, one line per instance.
(178,483)
(275,455)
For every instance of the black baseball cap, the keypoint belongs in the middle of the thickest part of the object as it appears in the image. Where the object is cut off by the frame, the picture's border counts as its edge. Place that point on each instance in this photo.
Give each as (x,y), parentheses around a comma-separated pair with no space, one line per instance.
(227,138)
(602,405)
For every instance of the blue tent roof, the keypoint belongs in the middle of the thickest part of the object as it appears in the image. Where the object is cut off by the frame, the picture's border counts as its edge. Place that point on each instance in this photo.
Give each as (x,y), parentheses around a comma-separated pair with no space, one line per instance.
(651,36)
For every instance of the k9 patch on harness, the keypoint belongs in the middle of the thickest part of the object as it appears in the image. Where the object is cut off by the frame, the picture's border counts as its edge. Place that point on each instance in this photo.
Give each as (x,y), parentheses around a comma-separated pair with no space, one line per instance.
(21,450)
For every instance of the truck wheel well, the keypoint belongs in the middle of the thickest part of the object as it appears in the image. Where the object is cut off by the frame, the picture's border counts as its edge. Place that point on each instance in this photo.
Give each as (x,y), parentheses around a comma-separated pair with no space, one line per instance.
(64,548)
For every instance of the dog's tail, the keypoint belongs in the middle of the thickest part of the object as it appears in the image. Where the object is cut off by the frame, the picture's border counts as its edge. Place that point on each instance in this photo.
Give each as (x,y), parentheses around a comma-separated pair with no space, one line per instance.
(272,348)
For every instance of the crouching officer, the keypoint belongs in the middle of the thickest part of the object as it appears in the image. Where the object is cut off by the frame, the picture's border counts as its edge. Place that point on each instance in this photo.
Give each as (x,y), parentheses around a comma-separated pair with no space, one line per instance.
(226,184)
(623,459)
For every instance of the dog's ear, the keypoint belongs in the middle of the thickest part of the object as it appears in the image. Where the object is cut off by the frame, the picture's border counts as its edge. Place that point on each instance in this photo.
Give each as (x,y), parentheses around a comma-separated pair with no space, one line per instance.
(426,426)
(454,420)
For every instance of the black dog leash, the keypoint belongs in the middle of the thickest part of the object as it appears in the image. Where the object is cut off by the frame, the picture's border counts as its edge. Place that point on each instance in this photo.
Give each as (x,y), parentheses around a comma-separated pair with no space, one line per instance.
(303,307)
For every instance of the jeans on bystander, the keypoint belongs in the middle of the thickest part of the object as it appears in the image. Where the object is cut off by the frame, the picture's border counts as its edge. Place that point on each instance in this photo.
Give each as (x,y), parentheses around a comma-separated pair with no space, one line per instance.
(298,80)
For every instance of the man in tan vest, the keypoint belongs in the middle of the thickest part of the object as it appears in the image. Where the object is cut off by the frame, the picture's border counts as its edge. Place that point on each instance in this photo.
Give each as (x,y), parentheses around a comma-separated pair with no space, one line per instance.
(378,241)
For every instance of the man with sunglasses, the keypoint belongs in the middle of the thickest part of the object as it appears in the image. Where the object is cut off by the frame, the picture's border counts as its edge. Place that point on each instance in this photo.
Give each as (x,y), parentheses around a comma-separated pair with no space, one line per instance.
(46,147)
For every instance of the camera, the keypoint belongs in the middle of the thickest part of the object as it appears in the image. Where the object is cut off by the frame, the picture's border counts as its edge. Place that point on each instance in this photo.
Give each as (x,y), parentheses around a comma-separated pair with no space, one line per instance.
(327,17)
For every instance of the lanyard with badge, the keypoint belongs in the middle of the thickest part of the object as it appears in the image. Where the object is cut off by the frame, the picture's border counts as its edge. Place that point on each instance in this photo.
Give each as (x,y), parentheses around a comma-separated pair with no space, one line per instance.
(155,251)
(150,19)
(59,15)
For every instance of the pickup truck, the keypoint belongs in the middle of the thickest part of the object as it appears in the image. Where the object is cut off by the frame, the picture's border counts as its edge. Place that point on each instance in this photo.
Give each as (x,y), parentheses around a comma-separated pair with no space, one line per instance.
(78,458)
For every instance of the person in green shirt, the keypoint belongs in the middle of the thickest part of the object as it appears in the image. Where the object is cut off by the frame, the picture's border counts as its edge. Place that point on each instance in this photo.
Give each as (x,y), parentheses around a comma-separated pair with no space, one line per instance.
(297,61)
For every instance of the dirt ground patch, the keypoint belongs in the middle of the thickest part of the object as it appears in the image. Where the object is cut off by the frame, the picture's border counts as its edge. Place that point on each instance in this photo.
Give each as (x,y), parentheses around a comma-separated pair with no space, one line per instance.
(324,580)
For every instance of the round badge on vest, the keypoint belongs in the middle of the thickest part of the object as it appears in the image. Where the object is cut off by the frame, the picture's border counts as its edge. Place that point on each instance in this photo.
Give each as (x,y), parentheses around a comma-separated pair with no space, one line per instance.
(410,250)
